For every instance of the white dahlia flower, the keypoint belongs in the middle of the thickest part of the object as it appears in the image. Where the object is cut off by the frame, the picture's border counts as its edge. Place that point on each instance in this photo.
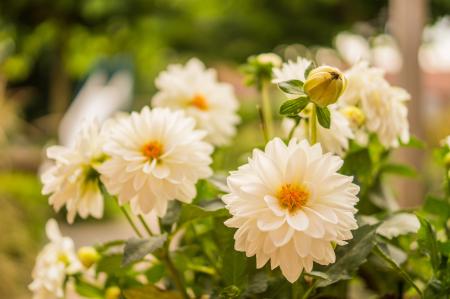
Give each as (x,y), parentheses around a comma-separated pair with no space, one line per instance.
(54,262)
(290,205)
(291,70)
(155,156)
(335,139)
(196,90)
(73,179)
(383,106)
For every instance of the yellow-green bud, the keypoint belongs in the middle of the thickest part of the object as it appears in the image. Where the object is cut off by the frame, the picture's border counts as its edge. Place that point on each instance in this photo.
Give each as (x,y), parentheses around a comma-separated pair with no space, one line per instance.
(324,85)
(447,160)
(88,256)
(354,115)
(269,58)
(112,293)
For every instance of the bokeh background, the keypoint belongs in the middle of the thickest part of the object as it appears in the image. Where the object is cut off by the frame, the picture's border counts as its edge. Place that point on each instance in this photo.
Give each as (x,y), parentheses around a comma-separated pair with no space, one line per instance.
(61,60)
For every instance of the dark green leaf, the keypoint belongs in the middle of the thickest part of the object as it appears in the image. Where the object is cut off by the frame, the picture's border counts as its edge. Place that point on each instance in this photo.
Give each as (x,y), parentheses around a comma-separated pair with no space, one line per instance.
(292,87)
(427,242)
(230,292)
(258,283)
(437,207)
(190,212)
(350,256)
(324,117)
(136,249)
(172,214)
(399,169)
(149,292)
(294,107)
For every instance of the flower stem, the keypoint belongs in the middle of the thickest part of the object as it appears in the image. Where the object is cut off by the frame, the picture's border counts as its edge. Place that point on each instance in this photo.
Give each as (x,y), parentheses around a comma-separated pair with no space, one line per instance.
(179,282)
(313,125)
(130,221)
(267,108)
(145,225)
(263,123)
(380,253)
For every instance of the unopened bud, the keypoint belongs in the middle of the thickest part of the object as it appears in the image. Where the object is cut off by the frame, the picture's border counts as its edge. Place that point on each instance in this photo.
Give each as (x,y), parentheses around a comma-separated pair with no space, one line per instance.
(112,293)
(269,58)
(447,160)
(354,115)
(88,256)
(324,85)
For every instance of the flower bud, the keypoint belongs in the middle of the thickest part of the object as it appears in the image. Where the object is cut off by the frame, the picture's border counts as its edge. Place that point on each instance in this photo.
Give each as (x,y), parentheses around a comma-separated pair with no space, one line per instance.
(324,85)
(447,160)
(112,293)
(269,58)
(355,115)
(88,256)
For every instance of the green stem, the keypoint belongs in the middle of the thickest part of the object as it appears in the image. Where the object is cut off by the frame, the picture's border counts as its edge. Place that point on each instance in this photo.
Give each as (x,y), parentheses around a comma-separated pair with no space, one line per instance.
(179,281)
(267,108)
(263,123)
(313,125)
(291,132)
(308,292)
(130,221)
(381,254)
(145,225)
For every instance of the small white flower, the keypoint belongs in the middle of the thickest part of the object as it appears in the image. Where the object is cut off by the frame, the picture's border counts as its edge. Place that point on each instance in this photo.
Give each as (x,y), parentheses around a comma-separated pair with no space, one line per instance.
(53,263)
(290,205)
(73,179)
(335,139)
(269,58)
(383,105)
(156,156)
(196,90)
(446,142)
(291,70)
(399,224)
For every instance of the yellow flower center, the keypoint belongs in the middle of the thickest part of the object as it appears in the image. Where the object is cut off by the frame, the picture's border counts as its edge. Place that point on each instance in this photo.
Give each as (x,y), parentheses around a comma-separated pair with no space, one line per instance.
(152,150)
(354,115)
(63,258)
(293,196)
(199,102)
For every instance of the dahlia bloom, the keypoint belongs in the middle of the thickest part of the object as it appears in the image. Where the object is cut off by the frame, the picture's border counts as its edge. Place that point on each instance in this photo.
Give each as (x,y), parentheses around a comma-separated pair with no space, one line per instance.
(383,106)
(196,90)
(155,156)
(73,179)
(290,205)
(53,263)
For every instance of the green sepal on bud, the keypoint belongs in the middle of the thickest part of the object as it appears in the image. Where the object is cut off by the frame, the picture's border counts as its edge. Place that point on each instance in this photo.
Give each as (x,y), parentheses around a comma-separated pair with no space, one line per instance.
(88,256)
(324,85)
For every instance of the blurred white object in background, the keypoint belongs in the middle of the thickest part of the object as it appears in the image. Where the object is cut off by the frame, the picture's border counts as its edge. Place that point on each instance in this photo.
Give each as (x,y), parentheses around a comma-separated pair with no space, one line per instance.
(434,54)
(98,99)
(352,47)
(385,53)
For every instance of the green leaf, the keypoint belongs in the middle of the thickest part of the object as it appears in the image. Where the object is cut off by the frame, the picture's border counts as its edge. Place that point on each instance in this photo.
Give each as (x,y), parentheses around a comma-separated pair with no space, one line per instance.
(87,290)
(292,87)
(172,214)
(191,212)
(293,107)
(398,169)
(427,242)
(415,143)
(230,292)
(149,292)
(324,117)
(234,270)
(310,67)
(257,284)
(350,256)
(111,264)
(437,207)
(383,255)
(136,249)
(155,273)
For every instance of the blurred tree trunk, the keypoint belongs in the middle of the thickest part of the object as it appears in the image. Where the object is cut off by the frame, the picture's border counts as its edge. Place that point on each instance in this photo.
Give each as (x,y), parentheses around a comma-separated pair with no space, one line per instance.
(406,22)
(59,85)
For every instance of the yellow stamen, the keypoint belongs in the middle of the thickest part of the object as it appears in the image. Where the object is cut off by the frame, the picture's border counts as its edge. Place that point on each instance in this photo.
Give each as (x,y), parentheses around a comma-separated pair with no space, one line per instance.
(199,101)
(152,150)
(293,196)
